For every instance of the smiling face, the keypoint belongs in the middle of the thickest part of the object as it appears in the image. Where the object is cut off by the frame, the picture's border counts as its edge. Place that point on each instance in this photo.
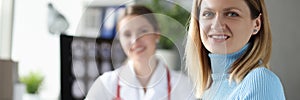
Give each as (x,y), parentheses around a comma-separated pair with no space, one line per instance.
(137,37)
(226,25)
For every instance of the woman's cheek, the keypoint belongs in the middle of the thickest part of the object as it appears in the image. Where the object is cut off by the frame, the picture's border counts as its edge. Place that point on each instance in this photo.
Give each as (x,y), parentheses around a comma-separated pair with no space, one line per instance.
(125,47)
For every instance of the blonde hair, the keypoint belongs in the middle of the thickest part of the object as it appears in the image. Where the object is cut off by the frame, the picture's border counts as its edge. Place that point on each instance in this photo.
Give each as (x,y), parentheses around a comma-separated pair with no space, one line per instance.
(198,62)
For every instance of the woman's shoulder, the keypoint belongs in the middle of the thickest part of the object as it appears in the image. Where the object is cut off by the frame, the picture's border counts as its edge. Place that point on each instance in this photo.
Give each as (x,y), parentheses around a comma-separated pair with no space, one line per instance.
(178,75)
(180,79)
(182,85)
(261,75)
(262,83)
(103,86)
(107,78)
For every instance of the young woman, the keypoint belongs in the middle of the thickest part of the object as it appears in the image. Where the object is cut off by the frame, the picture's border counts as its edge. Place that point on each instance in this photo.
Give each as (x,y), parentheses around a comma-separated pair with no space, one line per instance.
(228,50)
(144,76)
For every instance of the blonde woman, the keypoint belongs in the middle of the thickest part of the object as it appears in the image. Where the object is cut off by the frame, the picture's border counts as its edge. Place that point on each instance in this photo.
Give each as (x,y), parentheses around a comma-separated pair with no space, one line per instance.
(144,76)
(228,50)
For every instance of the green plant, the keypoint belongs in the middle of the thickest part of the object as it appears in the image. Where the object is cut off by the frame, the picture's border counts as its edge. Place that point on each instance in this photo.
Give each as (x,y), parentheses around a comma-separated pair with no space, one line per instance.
(170,9)
(32,81)
(174,11)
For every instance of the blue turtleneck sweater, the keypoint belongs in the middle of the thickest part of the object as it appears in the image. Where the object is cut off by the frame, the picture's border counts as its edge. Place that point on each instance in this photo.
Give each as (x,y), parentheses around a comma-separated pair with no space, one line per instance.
(259,84)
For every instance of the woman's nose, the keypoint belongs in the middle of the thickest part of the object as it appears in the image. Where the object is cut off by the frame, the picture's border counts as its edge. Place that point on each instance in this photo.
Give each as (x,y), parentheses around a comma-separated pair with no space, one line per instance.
(218,23)
(135,38)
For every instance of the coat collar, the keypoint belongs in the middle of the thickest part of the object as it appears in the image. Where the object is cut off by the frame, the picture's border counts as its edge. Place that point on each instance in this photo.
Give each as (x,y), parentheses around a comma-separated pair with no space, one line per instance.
(128,76)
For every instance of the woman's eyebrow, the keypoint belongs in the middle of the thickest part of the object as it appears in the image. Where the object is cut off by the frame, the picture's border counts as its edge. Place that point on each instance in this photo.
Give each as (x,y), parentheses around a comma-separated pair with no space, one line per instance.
(144,26)
(225,9)
(232,8)
(207,8)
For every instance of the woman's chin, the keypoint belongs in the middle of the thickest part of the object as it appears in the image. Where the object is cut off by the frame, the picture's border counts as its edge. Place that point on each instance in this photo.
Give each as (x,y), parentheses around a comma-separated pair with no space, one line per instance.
(140,57)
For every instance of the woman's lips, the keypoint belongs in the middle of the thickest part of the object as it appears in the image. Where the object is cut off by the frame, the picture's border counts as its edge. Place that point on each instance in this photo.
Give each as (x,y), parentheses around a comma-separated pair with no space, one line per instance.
(219,37)
(137,49)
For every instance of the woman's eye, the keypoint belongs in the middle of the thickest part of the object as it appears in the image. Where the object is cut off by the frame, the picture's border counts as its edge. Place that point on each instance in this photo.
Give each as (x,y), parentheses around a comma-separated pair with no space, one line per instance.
(208,14)
(127,34)
(232,14)
(144,31)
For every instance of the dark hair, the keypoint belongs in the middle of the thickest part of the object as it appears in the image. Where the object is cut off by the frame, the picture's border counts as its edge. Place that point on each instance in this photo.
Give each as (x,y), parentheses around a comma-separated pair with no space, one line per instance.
(140,10)
(255,8)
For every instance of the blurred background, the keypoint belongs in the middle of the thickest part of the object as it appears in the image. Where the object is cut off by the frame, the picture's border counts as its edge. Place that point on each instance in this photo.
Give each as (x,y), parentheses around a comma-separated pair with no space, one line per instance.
(61,46)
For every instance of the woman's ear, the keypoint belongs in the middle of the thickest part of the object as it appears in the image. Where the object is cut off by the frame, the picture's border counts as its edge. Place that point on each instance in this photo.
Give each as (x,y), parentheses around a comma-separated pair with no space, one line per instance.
(257,24)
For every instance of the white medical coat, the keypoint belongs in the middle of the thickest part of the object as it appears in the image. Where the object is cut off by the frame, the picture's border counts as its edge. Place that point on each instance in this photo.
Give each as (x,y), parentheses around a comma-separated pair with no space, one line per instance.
(105,87)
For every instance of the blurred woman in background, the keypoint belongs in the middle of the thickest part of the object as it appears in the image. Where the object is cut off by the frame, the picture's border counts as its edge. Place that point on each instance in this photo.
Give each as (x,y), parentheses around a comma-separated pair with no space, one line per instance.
(143,76)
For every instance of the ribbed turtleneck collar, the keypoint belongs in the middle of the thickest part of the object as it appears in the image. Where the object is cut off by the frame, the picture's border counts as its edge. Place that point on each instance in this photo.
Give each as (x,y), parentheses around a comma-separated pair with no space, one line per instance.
(220,63)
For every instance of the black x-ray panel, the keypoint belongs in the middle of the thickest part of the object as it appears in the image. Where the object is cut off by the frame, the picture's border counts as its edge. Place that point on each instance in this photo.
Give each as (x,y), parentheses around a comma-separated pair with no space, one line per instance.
(83,60)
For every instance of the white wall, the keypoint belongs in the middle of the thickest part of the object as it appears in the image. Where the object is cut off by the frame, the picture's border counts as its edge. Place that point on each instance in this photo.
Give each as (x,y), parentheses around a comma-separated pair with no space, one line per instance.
(34,47)
(6,13)
(284,18)
(1,7)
